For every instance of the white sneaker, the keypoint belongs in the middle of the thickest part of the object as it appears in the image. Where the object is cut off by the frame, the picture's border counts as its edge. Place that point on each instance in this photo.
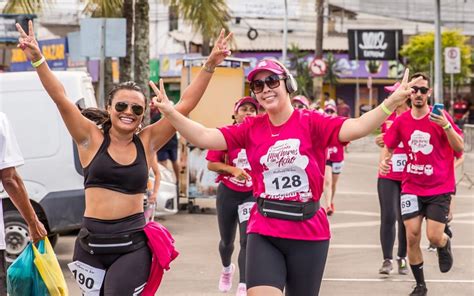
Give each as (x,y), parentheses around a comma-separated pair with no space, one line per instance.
(225,281)
(241,290)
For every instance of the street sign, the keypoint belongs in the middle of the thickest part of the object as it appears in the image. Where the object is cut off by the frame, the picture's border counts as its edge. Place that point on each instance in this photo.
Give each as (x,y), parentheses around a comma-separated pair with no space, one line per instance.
(452,60)
(318,67)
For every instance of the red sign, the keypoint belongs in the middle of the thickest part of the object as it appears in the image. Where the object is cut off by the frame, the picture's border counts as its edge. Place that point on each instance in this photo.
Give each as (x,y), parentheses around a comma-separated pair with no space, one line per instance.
(318,67)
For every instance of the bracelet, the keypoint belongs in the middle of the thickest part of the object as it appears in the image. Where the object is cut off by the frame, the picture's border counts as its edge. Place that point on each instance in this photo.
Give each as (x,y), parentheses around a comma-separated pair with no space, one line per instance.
(208,69)
(39,62)
(447,126)
(385,109)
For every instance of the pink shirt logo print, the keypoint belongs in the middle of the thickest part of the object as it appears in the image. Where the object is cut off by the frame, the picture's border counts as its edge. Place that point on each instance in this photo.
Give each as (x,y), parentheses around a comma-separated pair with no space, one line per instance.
(420,142)
(285,176)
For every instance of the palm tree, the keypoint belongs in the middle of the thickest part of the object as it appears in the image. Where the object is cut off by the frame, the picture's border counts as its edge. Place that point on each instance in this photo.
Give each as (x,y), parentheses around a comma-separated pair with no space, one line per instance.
(142,45)
(206,16)
(303,76)
(332,74)
(24,6)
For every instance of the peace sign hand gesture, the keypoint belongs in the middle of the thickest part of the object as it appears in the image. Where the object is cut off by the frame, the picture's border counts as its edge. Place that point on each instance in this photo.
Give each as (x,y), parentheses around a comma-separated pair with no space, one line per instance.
(220,50)
(403,92)
(160,100)
(28,43)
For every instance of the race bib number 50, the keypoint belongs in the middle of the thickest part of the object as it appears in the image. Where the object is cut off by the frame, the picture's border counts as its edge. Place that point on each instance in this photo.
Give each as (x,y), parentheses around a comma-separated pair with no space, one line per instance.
(88,278)
(398,162)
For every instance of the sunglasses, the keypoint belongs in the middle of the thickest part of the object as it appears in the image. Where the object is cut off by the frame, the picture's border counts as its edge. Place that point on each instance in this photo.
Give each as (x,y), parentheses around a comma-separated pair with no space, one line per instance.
(423,90)
(136,109)
(272,81)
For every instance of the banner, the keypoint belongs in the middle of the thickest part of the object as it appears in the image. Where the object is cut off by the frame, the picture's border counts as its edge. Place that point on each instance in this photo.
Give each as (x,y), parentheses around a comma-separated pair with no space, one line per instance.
(374,44)
(8,32)
(54,50)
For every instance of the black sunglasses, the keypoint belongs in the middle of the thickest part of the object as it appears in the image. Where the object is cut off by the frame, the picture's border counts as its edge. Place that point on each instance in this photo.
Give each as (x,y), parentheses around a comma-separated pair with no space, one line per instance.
(423,90)
(136,109)
(272,81)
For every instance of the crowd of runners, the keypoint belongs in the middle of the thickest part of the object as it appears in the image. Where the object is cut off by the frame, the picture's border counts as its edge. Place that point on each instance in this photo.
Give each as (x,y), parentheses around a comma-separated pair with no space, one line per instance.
(274,164)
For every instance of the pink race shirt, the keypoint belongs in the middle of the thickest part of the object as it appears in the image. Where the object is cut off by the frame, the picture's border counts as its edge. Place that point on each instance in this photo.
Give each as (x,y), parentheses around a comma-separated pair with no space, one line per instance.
(236,158)
(287,163)
(336,153)
(399,157)
(430,162)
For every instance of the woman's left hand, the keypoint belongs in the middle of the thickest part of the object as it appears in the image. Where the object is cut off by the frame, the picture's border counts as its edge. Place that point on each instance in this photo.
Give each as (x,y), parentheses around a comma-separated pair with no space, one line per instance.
(220,50)
(403,92)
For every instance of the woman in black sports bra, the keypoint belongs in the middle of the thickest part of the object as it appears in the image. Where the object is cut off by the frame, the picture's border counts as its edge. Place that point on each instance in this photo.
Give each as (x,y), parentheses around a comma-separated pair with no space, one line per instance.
(111,254)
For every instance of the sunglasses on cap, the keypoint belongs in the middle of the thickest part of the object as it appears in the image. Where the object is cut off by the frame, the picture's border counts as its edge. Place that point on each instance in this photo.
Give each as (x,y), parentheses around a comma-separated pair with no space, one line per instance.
(136,109)
(272,81)
(423,90)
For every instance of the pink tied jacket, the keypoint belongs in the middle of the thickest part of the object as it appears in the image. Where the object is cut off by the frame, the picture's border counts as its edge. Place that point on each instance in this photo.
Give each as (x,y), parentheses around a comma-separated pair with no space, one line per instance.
(161,245)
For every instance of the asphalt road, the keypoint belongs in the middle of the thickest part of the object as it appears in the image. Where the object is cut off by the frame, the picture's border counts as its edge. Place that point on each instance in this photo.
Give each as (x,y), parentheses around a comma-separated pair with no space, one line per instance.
(354,256)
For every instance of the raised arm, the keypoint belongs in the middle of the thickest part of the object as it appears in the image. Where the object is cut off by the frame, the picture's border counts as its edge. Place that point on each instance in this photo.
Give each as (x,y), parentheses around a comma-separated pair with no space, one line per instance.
(162,131)
(355,128)
(79,127)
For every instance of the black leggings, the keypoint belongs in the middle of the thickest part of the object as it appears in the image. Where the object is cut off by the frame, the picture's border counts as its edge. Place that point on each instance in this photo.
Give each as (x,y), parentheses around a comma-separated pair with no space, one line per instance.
(389,198)
(227,205)
(294,265)
(125,274)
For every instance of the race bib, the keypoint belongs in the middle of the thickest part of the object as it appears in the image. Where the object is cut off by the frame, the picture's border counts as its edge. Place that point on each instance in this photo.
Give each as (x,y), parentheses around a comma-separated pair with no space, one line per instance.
(88,278)
(408,203)
(398,162)
(337,167)
(244,211)
(285,181)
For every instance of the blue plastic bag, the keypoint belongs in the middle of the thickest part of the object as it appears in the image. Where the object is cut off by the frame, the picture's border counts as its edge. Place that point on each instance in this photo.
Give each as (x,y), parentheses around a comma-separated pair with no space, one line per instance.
(23,278)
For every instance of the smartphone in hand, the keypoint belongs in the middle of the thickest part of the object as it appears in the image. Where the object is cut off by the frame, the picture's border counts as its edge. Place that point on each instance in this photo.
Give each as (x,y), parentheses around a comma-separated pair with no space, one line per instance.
(437,108)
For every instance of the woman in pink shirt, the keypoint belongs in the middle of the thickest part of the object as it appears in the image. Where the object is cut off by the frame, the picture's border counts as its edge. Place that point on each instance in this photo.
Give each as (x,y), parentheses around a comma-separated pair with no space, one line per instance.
(334,165)
(288,232)
(234,199)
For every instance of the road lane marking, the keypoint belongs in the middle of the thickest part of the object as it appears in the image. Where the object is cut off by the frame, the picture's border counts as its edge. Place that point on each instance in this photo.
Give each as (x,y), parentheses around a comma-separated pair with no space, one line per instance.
(394,280)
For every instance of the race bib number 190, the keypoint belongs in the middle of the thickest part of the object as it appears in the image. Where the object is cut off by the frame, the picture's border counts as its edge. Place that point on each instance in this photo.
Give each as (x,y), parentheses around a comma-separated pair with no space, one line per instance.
(409,203)
(88,278)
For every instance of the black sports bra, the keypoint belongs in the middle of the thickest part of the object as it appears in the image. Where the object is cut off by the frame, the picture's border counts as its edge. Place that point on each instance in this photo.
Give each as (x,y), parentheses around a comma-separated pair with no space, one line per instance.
(104,172)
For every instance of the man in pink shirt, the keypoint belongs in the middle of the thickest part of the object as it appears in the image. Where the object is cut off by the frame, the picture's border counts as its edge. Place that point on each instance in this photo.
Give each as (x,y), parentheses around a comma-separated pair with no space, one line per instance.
(429,141)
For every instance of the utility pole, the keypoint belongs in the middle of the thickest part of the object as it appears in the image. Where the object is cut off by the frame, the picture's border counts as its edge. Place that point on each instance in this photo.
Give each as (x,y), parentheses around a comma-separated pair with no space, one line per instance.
(438,75)
(318,53)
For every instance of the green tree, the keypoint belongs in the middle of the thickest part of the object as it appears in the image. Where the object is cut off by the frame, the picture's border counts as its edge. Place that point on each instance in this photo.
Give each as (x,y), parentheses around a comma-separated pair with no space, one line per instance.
(303,76)
(332,75)
(206,16)
(24,6)
(420,52)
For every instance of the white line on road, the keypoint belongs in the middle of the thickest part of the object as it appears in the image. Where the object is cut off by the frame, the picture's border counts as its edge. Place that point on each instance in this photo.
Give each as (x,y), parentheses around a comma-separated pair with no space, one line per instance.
(348,246)
(374,193)
(354,224)
(360,213)
(394,280)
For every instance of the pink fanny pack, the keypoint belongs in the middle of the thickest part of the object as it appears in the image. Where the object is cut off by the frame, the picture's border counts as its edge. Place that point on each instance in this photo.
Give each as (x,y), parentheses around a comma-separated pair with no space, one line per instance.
(161,244)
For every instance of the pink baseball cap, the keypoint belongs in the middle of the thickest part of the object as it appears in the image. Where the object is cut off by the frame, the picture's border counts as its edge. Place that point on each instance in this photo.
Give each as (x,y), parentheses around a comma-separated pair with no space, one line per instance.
(301,99)
(246,100)
(268,65)
(330,107)
(392,88)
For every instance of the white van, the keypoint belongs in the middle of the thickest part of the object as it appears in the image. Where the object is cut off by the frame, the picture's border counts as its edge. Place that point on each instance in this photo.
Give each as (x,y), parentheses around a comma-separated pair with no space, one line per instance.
(52,172)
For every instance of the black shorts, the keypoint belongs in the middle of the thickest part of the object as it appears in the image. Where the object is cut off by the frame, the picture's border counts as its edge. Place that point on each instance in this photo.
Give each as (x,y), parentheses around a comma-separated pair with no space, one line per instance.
(435,207)
(165,154)
(335,166)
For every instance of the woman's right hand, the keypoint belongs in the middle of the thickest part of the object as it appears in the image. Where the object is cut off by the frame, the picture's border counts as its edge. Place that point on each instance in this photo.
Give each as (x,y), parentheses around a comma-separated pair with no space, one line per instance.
(385,165)
(160,100)
(220,50)
(379,140)
(240,174)
(28,43)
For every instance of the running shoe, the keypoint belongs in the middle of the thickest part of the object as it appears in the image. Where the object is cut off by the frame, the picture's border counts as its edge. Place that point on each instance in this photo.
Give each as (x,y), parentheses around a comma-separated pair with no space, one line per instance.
(386,267)
(445,257)
(420,290)
(431,248)
(329,211)
(241,290)
(402,266)
(225,281)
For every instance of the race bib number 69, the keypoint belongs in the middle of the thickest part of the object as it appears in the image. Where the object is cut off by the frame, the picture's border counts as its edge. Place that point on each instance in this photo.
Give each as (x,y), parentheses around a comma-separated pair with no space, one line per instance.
(409,204)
